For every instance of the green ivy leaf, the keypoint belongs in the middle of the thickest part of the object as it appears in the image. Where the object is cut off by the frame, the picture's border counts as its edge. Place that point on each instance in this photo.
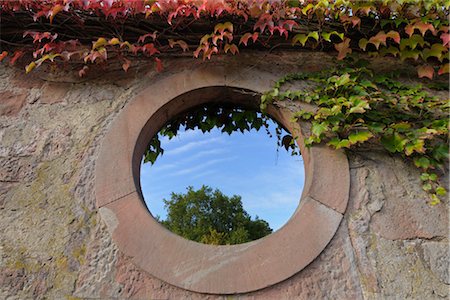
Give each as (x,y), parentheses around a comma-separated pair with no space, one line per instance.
(327,35)
(393,143)
(424,176)
(314,35)
(440,152)
(360,137)
(415,146)
(427,187)
(338,144)
(433,176)
(434,200)
(303,114)
(319,128)
(359,106)
(436,50)
(422,162)
(440,191)
(412,42)
(300,38)
(376,127)
(342,80)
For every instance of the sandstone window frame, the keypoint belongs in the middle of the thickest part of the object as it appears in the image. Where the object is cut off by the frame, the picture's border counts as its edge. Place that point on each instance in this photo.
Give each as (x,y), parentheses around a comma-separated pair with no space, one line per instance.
(228,269)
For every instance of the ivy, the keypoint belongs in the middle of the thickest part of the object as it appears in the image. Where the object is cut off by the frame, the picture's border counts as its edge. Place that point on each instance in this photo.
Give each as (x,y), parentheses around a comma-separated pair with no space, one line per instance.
(82,34)
(227,118)
(354,106)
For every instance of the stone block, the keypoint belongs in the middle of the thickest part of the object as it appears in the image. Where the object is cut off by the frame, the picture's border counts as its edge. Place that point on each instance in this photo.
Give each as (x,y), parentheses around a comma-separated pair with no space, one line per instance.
(11,104)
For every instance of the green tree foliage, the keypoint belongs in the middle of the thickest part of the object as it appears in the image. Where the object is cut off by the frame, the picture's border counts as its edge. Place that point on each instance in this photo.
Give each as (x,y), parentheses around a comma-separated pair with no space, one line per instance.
(208,216)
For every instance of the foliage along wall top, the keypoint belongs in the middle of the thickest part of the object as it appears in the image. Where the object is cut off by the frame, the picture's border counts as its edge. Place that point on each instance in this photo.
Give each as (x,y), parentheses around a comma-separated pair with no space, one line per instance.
(81,33)
(354,106)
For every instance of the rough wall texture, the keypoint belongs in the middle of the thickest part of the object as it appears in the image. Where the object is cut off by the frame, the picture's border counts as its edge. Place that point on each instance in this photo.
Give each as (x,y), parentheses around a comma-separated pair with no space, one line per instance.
(54,245)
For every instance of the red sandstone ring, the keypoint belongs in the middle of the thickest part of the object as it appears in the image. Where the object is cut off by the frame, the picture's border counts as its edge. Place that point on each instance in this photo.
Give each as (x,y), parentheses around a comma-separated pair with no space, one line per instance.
(199,267)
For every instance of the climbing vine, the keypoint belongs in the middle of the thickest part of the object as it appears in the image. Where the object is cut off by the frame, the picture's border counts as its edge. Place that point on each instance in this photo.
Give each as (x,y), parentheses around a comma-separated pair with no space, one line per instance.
(354,106)
(80,34)
(226,118)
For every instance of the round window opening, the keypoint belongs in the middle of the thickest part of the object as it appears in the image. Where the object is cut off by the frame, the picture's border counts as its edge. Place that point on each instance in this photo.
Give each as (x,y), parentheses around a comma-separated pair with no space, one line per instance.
(222,174)
(206,268)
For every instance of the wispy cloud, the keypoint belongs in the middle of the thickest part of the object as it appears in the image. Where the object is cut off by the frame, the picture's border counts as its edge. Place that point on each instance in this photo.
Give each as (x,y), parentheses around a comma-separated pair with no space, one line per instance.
(191,146)
(269,182)
(204,174)
(201,166)
(205,153)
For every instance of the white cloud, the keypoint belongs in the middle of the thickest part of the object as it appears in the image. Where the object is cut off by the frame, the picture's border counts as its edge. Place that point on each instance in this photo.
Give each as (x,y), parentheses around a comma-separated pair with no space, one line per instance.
(192,145)
(201,166)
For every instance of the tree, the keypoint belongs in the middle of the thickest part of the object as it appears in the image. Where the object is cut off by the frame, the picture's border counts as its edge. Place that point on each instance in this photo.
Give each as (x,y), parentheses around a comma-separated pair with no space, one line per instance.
(211,217)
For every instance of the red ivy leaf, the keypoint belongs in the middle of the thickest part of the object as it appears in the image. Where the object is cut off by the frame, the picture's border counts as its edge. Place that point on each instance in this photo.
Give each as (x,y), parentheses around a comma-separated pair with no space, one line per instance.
(3,55)
(159,65)
(356,21)
(423,28)
(232,48)
(444,69)
(365,10)
(221,27)
(143,37)
(394,35)
(207,54)
(126,64)
(180,43)
(150,49)
(203,47)
(445,37)
(379,38)
(343,48)
(425,71)
(18,54)
(66,55)
(39,36)
(83,71)
(244,39)
(265,20)
(288,24)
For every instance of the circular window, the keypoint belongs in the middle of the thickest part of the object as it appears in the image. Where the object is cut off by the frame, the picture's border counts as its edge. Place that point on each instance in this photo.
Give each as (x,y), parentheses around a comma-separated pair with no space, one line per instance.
(227,269)
(222,175)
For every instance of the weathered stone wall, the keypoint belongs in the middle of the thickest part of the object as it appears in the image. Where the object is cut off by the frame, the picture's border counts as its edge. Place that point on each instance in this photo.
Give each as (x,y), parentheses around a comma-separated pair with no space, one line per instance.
(54,245)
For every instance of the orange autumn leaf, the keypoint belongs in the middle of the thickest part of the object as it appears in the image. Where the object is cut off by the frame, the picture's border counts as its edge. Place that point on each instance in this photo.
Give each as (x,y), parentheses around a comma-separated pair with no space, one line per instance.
(159,65)
(18,54)
(126,64)
(180,43)
(422,27)
(425,71)
(56,9)
(444,69)
(343,49)
(445,37)
(3,55)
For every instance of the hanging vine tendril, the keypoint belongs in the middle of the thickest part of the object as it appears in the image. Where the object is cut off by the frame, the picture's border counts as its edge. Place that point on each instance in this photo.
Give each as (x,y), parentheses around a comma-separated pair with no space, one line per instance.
(227,118)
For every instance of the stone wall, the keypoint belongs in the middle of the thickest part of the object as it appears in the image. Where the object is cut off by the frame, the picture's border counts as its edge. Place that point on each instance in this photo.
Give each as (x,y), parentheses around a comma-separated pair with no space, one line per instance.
(54,245)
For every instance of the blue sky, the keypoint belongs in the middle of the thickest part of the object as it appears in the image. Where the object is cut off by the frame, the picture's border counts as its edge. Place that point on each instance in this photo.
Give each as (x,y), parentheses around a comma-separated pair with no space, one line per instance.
(269,182)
